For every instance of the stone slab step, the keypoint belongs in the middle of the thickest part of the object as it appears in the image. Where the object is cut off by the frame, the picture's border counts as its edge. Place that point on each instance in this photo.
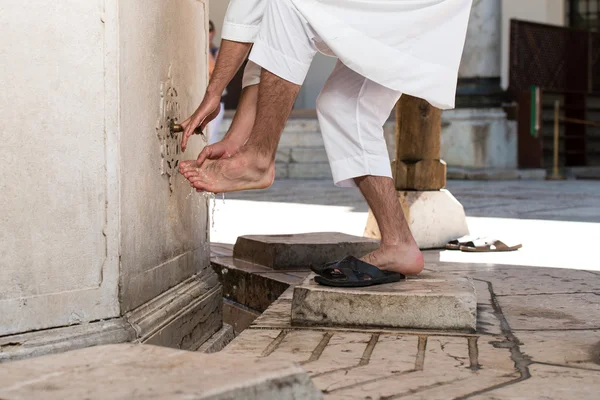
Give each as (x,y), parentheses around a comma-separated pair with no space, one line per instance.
(238,316)
(219,340)
(316,170)
(300,250)
(301,139)
(308,155)
(129,371)
(431,301)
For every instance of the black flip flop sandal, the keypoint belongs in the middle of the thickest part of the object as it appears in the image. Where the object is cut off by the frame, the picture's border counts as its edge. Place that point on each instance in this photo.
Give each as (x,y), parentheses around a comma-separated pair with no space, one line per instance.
(352,272)
(318,269)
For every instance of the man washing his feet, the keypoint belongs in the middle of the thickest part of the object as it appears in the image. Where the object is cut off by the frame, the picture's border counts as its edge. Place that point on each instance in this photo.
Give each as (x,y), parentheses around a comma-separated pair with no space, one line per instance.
(384,48)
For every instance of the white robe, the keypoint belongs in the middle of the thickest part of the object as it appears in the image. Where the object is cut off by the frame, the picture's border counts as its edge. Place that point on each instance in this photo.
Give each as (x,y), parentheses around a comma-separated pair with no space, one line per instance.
(411,46)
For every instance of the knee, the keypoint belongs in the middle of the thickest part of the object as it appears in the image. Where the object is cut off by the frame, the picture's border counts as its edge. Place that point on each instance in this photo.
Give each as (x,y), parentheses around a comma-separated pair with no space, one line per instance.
(325,102)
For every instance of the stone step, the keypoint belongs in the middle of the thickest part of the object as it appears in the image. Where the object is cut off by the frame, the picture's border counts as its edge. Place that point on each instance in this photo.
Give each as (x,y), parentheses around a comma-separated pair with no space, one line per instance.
(219,340)
(301,139)
(238,316)
(250,285)
(432,301)
(309,171)
(308,155)
(295,251)
(129,371)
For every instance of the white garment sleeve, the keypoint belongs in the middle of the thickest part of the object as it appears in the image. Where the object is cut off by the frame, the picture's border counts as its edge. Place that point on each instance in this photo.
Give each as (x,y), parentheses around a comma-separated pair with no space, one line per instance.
(242,20)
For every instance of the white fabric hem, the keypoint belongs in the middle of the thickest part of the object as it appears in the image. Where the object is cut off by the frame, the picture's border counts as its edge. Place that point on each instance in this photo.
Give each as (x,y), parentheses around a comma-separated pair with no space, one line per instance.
(345,170)
(239,33)
(251,74)
(278,63)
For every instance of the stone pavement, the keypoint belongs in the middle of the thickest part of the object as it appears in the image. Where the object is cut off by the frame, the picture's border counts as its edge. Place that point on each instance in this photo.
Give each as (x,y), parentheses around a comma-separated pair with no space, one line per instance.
(136,371)
(538,326)
(538,336)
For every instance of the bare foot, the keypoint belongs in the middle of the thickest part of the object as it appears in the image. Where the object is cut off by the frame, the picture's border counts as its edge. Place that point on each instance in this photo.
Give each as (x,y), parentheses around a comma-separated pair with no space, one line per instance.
(405,259)
(246,170)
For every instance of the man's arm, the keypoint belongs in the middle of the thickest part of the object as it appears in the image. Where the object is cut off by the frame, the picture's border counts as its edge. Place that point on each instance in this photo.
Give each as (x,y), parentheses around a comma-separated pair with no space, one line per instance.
(241,26)
(231,57)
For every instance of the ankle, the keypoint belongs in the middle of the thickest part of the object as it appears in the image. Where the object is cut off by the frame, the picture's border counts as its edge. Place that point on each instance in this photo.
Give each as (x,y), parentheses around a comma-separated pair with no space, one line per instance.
(398,243)
(262,159)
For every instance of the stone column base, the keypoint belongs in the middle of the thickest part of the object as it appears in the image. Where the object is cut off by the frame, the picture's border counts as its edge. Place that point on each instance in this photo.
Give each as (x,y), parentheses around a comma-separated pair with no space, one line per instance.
(434,218)
(183,317)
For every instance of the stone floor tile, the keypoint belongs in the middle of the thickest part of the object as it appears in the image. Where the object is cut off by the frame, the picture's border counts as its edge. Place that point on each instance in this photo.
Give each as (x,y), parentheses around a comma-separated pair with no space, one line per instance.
(579,349)
(252,342)
(550,383)
(142,371)
(338,350)
(513,280)
(297,346)
(391,356)
(552,312)
(487,322)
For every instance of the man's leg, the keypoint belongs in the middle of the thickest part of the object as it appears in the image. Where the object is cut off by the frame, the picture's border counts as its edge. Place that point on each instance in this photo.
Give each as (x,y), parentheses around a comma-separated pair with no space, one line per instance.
(253,167)
(284,49)
(352,110)
(398,251)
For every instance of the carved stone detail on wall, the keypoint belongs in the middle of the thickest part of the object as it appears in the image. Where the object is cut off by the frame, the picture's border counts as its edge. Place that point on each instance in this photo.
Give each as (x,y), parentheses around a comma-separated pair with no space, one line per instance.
(170,112)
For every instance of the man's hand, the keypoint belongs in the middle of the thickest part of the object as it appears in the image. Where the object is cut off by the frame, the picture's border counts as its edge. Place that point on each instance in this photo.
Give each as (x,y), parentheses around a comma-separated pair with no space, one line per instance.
(207,111)
(216,151)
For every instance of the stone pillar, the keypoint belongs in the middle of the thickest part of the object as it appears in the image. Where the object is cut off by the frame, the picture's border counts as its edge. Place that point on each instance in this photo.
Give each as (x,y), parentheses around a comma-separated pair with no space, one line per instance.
(480,68)
(478,135)
(101,241)
(434,215)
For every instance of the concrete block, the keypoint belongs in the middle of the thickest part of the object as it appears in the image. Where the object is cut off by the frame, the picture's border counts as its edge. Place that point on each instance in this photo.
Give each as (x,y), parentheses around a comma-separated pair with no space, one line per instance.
(430,301)
(143,371)
(310,171)
(434,218)
(300,250)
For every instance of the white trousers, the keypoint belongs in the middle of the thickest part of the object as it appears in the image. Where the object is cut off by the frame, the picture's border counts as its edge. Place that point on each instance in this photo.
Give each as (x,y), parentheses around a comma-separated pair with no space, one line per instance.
(214,126)
(351,108)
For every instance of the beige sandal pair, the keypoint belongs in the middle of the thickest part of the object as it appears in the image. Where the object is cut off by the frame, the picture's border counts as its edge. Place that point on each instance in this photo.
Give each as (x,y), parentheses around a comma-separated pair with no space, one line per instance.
(481,245)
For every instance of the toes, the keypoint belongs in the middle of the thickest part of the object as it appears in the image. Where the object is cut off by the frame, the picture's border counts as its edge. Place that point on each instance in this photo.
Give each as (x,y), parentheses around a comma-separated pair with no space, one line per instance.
(197,178)
(199,186)
(186,168)
(191,173)
(187,163)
